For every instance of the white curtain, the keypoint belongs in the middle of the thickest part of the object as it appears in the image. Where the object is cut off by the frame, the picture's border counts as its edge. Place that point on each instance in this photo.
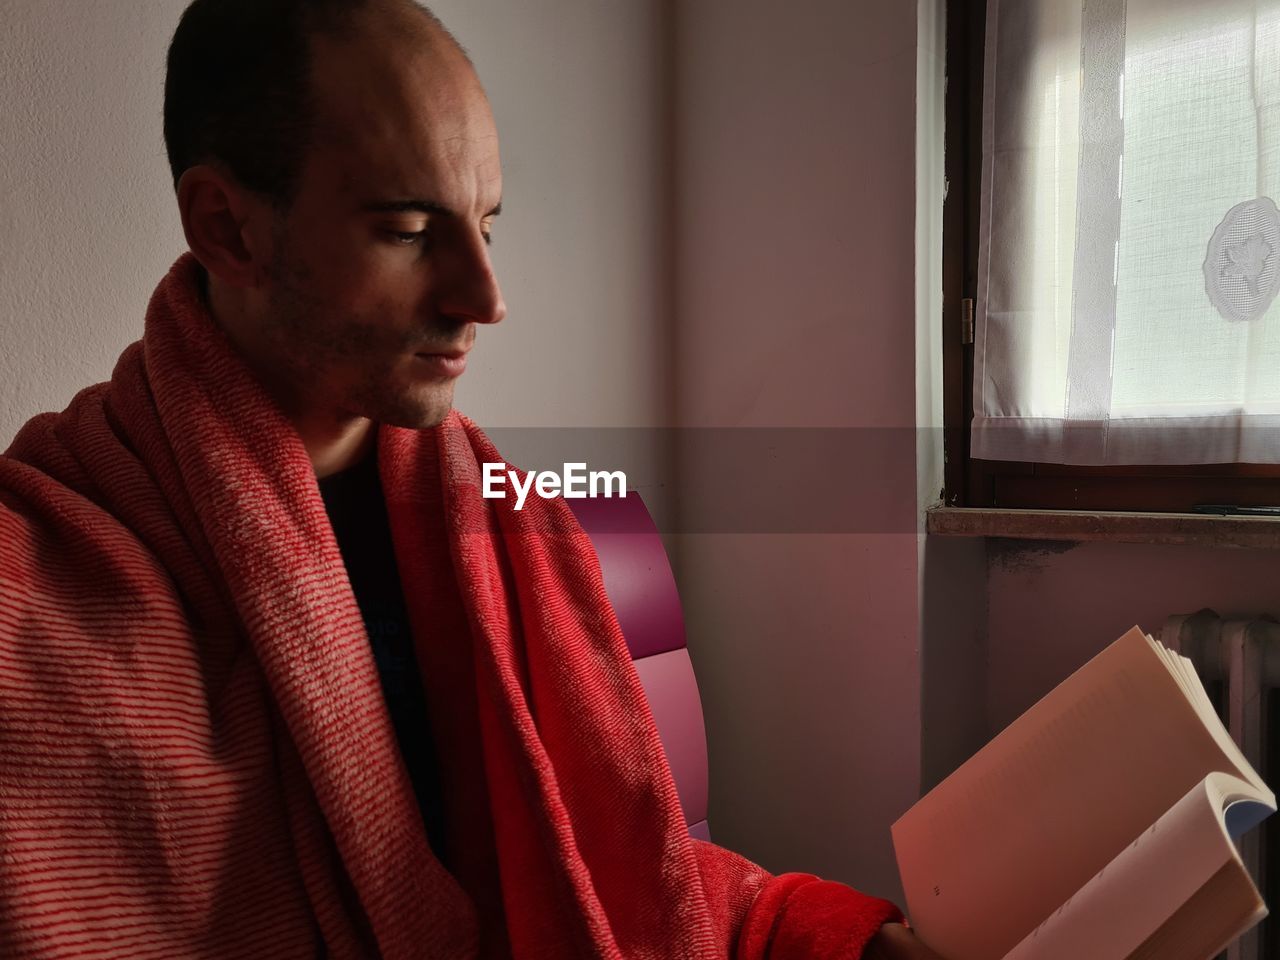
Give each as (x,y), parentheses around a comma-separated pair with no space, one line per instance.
(1130,242)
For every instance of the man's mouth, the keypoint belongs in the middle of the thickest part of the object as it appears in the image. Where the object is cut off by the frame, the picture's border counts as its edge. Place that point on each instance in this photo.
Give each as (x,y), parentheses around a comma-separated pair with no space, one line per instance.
(445,363)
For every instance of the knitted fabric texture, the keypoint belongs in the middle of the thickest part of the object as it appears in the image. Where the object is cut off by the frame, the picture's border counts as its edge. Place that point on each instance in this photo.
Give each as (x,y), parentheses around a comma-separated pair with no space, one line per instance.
(196,760)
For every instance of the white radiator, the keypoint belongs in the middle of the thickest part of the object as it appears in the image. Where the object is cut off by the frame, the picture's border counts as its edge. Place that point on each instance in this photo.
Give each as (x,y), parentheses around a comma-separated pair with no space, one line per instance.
(1239,662)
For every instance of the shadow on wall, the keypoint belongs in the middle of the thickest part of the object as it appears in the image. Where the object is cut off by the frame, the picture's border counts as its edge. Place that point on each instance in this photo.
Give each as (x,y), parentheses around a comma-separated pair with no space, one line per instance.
(954,658)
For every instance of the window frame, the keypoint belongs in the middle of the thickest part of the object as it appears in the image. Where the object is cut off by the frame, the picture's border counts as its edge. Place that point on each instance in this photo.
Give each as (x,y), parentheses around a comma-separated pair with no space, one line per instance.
(970,482)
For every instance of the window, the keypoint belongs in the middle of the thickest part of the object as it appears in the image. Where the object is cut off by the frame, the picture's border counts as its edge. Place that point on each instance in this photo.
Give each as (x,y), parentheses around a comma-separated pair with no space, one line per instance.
(1110,219)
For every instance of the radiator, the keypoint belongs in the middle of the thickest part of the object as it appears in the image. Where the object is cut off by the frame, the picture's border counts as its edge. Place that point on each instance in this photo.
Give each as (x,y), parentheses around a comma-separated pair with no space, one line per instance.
(1239,662)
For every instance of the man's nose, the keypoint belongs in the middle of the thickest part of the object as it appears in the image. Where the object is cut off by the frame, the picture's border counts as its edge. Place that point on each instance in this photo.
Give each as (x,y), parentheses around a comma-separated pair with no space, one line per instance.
(470,290)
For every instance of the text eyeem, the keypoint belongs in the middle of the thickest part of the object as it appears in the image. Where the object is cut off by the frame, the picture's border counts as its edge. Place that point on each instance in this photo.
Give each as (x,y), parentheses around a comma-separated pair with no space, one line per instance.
(574,482)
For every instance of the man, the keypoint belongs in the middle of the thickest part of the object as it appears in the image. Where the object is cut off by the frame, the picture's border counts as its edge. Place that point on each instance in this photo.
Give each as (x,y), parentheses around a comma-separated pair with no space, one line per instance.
(274,681)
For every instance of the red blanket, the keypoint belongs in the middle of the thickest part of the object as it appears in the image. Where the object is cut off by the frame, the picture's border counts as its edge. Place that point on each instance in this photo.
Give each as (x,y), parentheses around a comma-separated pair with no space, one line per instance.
(196,759)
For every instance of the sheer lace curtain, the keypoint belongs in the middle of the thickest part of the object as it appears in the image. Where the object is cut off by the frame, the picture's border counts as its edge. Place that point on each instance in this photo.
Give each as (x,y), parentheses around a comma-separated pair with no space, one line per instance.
(1130,240)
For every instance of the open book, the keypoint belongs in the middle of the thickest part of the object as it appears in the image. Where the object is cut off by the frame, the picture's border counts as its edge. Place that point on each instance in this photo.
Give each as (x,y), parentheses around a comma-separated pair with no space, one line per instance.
(1097,825)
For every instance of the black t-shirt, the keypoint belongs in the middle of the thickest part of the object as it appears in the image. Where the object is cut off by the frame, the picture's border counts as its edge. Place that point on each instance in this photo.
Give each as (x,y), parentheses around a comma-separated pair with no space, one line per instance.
(358,514)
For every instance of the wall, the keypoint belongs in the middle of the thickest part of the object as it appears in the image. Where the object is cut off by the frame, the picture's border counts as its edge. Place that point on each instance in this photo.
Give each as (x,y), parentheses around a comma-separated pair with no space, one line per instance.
(90,225)
(795,272)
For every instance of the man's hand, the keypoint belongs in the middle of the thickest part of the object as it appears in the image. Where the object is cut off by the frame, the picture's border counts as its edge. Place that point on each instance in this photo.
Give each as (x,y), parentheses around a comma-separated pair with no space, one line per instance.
(896,942)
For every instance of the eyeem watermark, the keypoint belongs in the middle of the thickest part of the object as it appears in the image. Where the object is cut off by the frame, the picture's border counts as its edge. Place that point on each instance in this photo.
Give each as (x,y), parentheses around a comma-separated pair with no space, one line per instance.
(573,483)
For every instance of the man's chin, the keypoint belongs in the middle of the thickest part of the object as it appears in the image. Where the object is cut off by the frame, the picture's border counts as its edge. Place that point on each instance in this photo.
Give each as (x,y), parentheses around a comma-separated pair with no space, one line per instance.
(417,412)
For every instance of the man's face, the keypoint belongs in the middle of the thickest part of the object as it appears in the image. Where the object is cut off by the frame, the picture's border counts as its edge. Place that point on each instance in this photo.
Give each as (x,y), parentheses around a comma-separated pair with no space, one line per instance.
(382,263)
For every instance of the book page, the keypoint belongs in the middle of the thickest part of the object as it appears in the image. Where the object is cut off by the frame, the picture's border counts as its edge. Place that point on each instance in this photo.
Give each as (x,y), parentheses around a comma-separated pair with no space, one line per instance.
(1245,814)
(1185,672)
(1223,909)
(1005,840)
(1135,895)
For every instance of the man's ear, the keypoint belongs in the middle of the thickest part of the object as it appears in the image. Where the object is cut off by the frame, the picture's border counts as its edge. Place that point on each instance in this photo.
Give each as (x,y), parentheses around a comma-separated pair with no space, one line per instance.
(225,225)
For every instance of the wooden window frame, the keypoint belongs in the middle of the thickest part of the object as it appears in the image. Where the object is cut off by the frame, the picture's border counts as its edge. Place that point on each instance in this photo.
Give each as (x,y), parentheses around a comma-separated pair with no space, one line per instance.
(987,483)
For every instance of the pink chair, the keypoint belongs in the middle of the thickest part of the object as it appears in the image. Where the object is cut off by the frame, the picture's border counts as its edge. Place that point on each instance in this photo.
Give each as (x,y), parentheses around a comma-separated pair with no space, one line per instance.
(640,585)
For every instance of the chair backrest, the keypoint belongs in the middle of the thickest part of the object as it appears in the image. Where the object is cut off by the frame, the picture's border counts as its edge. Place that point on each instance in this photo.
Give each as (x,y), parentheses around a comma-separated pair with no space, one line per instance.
(638,579)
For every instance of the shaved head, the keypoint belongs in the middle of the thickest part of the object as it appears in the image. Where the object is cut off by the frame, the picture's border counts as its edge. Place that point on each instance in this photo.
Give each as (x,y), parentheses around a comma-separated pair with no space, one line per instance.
(240,75)
(388,20)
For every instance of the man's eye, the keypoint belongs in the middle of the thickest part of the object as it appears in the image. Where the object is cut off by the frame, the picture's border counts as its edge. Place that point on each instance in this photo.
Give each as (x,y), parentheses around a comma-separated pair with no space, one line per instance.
(409,239)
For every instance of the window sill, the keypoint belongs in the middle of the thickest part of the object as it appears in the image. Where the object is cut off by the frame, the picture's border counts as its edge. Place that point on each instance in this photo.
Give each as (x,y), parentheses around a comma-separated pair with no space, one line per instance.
(1185,529)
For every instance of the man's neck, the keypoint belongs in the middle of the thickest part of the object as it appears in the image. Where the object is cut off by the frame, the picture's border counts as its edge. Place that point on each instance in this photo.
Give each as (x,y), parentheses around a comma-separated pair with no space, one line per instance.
(334,447)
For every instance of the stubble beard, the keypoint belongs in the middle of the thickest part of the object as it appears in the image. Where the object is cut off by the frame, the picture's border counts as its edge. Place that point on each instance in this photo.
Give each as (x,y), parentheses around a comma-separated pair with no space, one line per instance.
(344,364)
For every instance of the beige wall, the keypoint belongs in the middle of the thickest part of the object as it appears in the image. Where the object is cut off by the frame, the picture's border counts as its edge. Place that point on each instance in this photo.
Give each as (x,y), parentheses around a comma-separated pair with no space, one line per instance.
(89,221)
(795,307)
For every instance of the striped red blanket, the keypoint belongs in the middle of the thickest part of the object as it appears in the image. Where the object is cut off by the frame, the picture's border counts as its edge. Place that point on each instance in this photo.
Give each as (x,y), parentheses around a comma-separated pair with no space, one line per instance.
(196,759)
